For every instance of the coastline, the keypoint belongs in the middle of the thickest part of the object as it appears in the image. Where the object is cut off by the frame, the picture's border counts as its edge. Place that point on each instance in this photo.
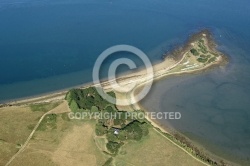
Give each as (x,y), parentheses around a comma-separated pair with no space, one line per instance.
(42,98)
(171,60)
(224,59)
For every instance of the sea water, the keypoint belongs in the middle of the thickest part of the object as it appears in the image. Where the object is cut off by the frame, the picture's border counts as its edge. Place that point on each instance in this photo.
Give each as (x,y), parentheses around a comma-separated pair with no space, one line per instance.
(50,45)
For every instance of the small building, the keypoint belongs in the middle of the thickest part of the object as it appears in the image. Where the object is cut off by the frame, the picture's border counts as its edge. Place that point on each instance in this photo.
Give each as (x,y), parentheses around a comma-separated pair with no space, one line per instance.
(116,131)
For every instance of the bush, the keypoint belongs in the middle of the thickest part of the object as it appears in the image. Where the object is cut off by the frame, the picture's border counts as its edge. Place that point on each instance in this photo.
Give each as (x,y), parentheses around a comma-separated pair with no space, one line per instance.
(94,109)
(203,56)
(123,135)
(118,121)
(73,106)
(113,147)
(100,129)
(202,60)
(194,52)
(112,137)
(144,128)
(134,130)
(110,109)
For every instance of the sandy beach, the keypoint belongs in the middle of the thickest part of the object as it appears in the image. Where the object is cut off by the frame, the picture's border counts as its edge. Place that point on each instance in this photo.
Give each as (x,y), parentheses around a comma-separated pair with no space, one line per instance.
(162,69)
(179,61)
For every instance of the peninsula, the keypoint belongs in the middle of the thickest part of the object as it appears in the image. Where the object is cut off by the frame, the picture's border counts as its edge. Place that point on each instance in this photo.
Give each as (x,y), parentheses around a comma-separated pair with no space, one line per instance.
(49,135)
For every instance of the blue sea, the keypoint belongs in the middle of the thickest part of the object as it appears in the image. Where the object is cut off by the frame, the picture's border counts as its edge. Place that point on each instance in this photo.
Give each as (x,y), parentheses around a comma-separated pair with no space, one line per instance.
(50,45)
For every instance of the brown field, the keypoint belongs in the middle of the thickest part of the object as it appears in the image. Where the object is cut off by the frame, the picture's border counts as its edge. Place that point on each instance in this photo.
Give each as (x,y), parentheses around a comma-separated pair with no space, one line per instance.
(71,143)
(16,123)
(60,141)
(154,150)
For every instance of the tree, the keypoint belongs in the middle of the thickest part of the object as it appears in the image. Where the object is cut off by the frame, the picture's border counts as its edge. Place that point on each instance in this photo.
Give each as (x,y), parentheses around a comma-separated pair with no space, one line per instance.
(112,137)
(144,126)
(94,109)
(100,129)
(194,52)
(134,131)
(113,147)
(73,106)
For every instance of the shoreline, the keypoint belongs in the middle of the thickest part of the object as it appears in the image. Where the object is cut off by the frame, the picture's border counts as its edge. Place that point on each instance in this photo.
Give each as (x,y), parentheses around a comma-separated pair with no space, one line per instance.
(171,60)
(171,130)
(40,98)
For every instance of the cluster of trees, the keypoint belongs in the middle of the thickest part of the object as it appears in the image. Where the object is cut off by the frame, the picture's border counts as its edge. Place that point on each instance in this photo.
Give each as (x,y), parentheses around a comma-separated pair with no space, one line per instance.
(110,117)
(194,52)
(101,129)
(203,48)
(133,131)
(206,58)
(202,60)
(113,147)
(128,129)
(84,99)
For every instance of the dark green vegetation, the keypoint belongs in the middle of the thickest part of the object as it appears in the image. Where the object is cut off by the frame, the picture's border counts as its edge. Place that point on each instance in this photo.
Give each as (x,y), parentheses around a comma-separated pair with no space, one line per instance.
(202,47)
(85,99)
(113,147)
(128,128)
(194,52)
(117,126)
(203,58)
(212,60)
(202,53)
